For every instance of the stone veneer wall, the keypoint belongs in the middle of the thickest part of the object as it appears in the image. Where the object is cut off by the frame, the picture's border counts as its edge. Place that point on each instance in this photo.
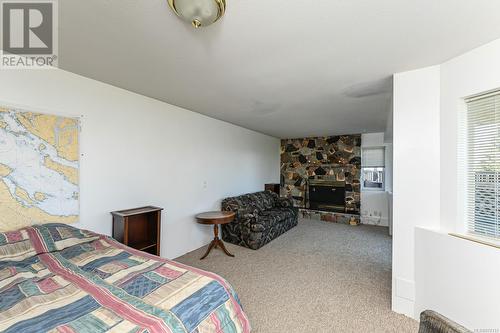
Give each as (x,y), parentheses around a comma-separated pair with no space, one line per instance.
(334,157)
(329,216)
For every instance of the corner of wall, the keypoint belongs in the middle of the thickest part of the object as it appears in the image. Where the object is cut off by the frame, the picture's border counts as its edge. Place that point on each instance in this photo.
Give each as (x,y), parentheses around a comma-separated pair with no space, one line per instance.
(416,114)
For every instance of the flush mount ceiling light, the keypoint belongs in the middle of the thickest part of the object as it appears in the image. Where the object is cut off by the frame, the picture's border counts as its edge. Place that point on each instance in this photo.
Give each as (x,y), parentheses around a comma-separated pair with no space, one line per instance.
(199,13)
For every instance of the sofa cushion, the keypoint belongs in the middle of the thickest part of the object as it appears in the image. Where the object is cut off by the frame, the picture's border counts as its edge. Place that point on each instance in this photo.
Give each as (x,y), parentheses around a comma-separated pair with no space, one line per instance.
(263,200)
(278,214)
(250,203)
(240,205)
(265,219)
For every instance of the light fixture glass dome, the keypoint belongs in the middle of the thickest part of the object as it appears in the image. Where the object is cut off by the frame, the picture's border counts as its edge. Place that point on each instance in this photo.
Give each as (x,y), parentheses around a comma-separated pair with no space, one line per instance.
(199,13)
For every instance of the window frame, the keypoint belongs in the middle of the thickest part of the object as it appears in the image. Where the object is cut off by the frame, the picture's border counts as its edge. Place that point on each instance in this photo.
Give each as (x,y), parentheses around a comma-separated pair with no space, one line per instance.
(373,189)
(464,173)
(383,167)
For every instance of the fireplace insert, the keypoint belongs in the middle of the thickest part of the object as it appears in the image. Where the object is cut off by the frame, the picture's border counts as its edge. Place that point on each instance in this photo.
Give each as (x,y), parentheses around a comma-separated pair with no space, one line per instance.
(326,195)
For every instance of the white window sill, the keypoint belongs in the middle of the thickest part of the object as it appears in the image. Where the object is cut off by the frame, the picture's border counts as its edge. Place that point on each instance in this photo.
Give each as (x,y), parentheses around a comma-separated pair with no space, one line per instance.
(478,239)
(376,190)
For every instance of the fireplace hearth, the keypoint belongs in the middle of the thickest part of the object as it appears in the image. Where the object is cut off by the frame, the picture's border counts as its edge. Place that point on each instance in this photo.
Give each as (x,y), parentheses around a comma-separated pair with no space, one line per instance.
(326,195)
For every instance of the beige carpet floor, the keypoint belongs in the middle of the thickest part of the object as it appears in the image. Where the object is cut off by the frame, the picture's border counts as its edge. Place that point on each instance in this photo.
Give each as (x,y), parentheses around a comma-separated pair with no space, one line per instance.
(318,277)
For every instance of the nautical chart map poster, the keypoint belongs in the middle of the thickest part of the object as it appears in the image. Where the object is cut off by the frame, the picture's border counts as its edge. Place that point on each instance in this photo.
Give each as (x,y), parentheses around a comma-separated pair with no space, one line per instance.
(39,169)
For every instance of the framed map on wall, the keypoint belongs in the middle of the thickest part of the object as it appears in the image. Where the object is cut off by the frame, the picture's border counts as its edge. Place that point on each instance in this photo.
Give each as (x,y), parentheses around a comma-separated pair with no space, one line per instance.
(39,169)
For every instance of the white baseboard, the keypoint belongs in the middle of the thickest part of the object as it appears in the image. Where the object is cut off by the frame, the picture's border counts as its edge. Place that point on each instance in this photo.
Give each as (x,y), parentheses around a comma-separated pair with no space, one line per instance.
(403,300)
(404,307)
(405,289)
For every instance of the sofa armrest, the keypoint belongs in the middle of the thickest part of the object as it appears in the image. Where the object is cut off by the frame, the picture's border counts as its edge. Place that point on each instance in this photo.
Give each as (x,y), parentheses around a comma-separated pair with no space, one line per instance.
(284,202)
(433,322)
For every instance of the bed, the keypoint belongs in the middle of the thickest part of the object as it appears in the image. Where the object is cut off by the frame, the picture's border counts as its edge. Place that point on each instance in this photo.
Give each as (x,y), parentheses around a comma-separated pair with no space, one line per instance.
(57,278)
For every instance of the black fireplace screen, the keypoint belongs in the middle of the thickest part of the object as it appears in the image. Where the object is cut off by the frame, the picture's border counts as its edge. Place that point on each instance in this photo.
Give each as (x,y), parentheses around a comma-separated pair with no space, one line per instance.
(326,195)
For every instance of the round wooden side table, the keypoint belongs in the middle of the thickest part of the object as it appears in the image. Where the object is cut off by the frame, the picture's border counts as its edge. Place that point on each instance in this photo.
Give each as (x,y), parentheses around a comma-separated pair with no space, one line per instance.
(216,218)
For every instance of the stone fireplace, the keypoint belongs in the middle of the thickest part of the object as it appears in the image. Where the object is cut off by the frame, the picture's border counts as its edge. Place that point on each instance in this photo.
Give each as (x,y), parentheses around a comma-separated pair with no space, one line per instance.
(322,175)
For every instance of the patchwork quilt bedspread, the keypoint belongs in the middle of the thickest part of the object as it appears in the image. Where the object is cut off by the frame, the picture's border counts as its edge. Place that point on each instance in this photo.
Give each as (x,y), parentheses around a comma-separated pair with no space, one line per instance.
(56,278)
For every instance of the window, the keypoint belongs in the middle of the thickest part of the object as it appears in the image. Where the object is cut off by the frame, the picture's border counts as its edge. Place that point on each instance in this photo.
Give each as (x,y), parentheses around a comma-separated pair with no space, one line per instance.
(482,165)
(373,169)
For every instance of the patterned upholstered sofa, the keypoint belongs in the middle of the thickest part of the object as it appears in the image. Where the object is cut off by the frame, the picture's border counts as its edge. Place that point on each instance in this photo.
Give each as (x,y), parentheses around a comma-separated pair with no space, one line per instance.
(260,218)
(433,322)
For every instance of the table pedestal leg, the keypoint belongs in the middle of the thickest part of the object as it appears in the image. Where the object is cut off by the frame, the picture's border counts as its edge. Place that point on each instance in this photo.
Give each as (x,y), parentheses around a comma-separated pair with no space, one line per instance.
(216,242)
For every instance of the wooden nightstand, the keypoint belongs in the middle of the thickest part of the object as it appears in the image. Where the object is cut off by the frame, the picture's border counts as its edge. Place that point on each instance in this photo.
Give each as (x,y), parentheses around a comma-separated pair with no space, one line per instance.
(138,228)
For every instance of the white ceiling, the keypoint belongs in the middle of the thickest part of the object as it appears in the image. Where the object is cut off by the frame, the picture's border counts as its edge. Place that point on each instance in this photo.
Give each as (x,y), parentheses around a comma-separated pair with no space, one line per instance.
(288,68)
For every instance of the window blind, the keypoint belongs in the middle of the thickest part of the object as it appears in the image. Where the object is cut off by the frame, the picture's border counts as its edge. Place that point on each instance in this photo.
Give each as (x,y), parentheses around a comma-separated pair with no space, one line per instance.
(373,157)
(483,165)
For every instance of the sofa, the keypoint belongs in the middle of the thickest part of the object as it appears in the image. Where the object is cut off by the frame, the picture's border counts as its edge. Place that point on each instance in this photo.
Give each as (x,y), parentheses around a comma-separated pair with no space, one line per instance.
(260,218)
(433,322)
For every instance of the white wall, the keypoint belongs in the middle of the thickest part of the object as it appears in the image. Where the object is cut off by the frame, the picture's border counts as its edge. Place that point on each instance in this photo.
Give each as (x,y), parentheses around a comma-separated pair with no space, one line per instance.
(140,151)
(470,270)
(375,208)
(456,277)
(375,204)
(472,73)
(372,140)
(416,174)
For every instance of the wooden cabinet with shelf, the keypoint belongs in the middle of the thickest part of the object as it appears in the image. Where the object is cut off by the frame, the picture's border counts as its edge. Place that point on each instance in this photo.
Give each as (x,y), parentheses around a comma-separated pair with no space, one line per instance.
(273,188)
(139,228)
